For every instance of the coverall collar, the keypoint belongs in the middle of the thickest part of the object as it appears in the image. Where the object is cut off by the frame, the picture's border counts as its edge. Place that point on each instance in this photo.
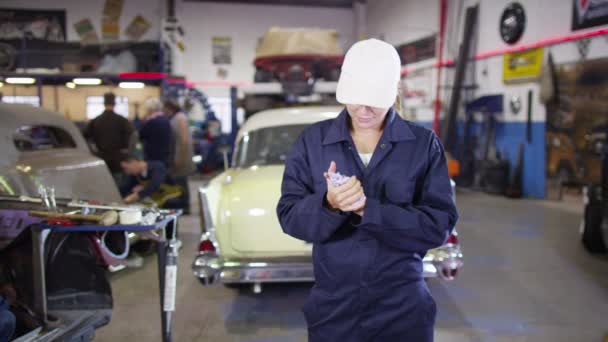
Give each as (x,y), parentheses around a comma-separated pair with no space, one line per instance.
(396,128)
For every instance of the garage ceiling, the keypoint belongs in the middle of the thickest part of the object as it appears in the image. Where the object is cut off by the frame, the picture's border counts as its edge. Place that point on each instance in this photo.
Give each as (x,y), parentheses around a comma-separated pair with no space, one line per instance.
(313,3)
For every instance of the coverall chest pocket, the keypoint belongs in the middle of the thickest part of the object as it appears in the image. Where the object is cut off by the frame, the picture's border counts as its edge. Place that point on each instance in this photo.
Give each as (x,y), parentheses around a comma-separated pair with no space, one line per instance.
(400,192)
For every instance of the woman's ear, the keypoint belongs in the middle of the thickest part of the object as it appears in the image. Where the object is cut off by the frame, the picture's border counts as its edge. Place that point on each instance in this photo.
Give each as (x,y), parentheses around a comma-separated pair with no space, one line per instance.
(398,102)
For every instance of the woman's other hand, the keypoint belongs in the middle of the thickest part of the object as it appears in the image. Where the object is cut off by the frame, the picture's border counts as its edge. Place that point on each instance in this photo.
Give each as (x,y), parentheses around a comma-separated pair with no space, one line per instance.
(346,196)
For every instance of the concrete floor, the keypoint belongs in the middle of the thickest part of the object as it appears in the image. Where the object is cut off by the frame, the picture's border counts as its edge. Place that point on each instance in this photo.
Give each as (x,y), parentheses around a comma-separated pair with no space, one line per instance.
(526,278)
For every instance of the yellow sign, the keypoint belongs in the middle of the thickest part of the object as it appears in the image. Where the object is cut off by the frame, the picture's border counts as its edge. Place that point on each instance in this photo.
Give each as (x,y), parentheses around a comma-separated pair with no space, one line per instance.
(522,66)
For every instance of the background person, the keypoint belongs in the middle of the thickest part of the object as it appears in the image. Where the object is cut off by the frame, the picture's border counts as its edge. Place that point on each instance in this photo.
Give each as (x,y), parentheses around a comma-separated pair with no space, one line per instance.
(7,321)
(155,133)
(182,166)
(112,135)
(146,179)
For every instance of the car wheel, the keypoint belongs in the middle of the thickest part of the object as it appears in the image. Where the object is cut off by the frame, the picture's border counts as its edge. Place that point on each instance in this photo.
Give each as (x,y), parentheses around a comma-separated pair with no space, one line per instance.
(144,247)
(591,225)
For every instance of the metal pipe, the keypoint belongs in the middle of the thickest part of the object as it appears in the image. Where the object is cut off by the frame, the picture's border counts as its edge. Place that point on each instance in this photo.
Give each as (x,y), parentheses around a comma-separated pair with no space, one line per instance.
(443,5)
(448,130)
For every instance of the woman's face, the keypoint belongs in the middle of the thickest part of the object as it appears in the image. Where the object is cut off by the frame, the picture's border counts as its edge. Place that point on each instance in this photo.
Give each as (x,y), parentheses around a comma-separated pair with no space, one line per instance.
(365,117)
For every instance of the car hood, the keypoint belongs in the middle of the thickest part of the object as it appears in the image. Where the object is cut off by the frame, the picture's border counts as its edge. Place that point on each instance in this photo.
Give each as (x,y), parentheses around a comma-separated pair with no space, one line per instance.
(253,195)
(73,174)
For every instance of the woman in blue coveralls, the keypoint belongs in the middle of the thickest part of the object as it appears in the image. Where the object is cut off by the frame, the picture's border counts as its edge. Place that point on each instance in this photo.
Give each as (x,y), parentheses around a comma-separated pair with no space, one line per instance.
(371,233)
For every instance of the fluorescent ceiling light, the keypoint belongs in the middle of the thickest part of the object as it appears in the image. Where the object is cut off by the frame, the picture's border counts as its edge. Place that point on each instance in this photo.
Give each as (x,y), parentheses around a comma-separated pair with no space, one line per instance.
(70,85)
(20,80)
(131,85)
(87,81)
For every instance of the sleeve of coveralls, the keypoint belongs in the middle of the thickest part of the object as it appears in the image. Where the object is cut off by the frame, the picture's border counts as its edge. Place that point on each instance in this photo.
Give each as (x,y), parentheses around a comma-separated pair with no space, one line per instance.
(300,210)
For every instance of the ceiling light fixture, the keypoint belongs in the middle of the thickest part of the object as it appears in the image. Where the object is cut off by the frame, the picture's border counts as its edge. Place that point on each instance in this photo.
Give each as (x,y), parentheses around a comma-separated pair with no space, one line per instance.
(87,81)
(131,85)
(20,80)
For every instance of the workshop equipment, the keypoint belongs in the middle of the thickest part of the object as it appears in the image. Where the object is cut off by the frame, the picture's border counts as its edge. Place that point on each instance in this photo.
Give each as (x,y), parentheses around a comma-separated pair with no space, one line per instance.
(107,218)
(448,131)
(481,164)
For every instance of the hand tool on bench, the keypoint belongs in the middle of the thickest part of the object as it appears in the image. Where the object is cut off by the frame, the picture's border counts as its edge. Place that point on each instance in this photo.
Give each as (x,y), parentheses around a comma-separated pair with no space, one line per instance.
(108,218)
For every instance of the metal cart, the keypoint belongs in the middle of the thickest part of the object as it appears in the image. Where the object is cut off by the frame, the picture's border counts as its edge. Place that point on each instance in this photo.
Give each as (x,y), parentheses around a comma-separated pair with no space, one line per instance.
(82,328)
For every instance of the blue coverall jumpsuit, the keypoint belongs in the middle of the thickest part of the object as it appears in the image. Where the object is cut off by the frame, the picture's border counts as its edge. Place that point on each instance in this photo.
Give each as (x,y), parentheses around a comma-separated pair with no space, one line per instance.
(368,271)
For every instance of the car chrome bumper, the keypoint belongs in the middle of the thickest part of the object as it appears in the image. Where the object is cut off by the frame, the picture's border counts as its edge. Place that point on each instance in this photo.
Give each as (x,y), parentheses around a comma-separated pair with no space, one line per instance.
(210,268)
(443,262)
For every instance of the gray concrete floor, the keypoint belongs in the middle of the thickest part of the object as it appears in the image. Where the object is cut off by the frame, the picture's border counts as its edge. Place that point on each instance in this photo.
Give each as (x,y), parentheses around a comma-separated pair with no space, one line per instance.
(526,278)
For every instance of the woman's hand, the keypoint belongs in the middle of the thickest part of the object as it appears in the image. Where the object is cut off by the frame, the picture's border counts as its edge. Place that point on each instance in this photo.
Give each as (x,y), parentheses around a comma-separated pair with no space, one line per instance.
(346,196)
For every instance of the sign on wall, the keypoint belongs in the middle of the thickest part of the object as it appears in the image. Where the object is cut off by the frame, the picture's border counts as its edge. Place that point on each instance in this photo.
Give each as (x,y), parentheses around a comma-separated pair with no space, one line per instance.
(522,66)
(222,50)
(589,13)
(110,27)
(86,31)
(137,28)
(418,50)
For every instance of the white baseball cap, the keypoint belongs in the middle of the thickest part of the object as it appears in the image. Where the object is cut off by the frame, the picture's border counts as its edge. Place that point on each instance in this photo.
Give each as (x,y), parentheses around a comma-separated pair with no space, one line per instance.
(370,73)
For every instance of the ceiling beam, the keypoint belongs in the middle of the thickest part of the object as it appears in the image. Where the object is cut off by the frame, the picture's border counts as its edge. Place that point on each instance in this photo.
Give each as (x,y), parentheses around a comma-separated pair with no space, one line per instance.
(306,3)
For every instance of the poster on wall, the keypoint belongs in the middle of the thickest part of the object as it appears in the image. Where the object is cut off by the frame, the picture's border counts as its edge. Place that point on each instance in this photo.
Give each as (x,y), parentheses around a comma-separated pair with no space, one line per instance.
(32,24)
(112,8)
(522,66)
(589,13)
(137,28)
(86,31)
(418,50)
(110,27)
(222,50)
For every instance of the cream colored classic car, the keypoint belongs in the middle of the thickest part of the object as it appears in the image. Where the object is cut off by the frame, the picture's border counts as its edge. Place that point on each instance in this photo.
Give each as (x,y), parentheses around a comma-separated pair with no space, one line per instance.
(242,241)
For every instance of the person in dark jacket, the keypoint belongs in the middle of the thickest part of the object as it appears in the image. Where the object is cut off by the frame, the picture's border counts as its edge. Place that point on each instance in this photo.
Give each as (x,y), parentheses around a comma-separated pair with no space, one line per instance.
(145,178)
(182,164)
(7,321)
(112,135)
(370,233)
(155,134)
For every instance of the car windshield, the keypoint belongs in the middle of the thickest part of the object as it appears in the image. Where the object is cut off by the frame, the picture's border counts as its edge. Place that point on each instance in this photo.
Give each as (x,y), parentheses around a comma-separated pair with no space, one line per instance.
(267,146)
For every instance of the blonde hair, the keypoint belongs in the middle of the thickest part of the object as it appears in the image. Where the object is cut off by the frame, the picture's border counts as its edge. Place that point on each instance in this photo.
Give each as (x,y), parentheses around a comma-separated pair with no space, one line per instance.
(152,105)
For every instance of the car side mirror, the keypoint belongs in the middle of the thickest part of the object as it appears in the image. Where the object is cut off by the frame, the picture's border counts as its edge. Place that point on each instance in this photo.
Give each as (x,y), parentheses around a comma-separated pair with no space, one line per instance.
(225,150)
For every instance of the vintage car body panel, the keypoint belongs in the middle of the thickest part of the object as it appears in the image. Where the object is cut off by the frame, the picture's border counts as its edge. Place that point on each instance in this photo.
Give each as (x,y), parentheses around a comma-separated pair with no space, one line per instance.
(238,217)
(73,172)
(253,220)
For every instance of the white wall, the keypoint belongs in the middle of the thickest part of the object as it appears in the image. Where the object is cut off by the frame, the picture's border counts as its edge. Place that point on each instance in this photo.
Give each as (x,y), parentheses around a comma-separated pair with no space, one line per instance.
(76,10)
(401,21)
(245,24)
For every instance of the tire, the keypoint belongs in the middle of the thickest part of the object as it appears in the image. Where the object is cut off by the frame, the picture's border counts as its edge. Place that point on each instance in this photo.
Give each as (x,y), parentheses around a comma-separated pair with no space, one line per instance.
(591,225)
(332,75)
(144,247)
